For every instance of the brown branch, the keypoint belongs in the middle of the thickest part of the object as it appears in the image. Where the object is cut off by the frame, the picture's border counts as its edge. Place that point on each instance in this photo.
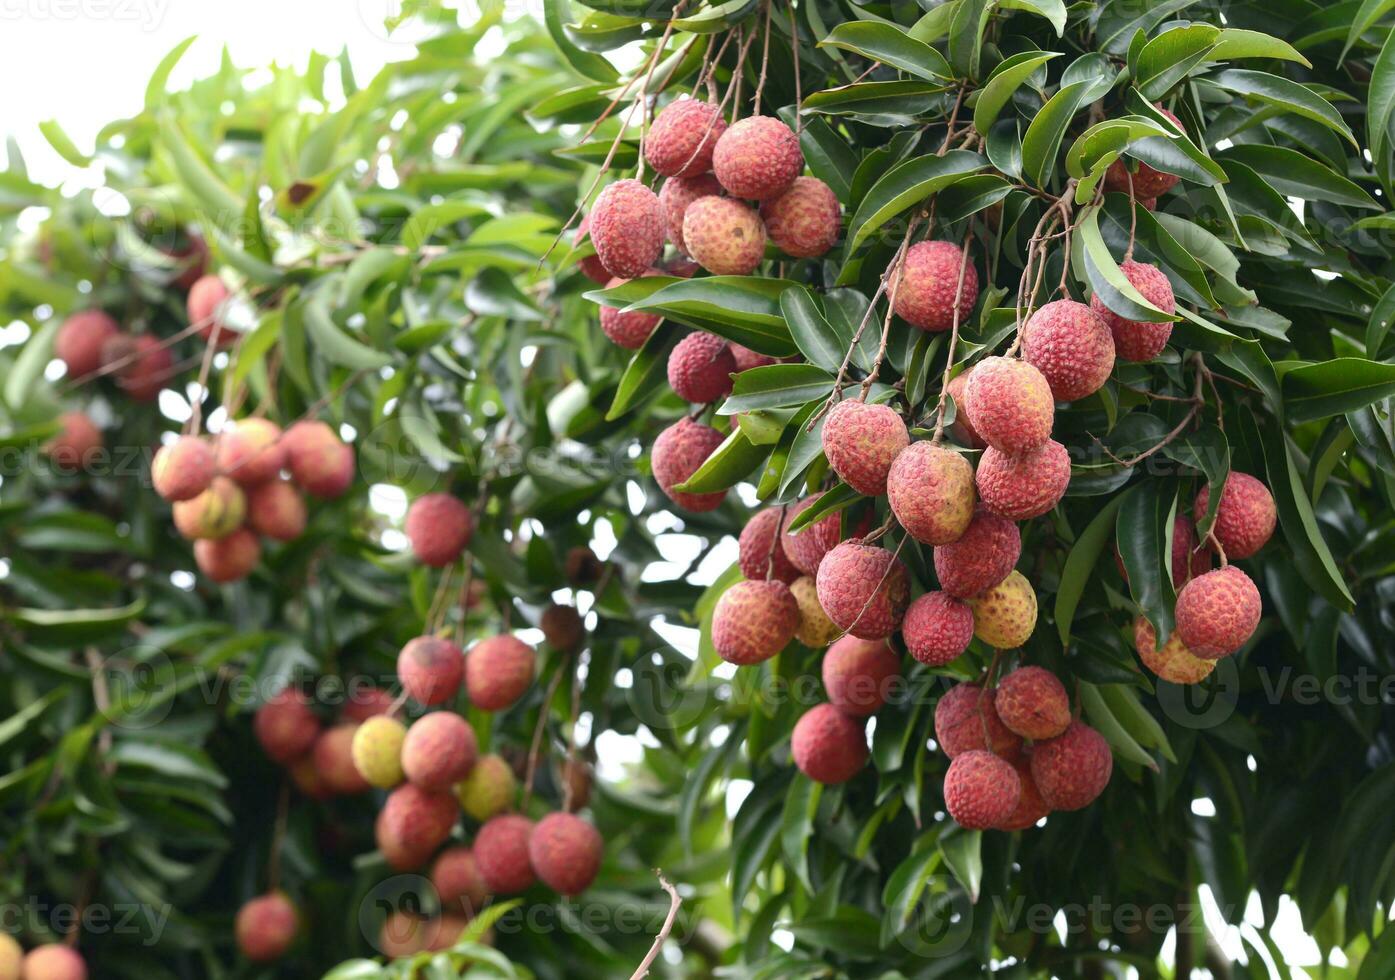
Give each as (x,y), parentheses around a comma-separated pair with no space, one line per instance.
(953,340)
(535,749)
(674,901)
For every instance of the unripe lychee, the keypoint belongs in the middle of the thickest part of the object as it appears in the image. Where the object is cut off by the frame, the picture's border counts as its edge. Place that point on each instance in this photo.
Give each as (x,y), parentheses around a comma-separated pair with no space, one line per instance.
(11,957)
(859,675)
(861,442)
(498,671)
(183,469)
(430,669)
(54,961)
(275,510)
(700,368)
(565,852)
(724,236)
(413,823)
(266,927)
(682,137)
(439,527)
(285,726)
(439,750)
(403,934)
(1148,183)
(562,627)
(757,158)
(981,558)
(678,453)
(1030,806)
(1011,404)
(863,589)
(815,629)
(807,546)
(1174,662)
(77,445)
(1026,485)
(759,538)
(805,220)
(320,462)
(931,492)
(79,341)
(937,628)
(215,513)
(589,265)
(627,225)
(334,760)
(1245,516)
(1072,769)
(747,358)
(1140,340)
(456,877)
(753,621)
(675,196)
(963,715)
(628,329)
(963,430)
(501,852)
(377,751)
(489,788)
(929,282)
(1071,346)
(1033,702)
(230,558)
(145,364)
(1006,614)
(981,790)
(1218,612)
(207,304)
(828,746)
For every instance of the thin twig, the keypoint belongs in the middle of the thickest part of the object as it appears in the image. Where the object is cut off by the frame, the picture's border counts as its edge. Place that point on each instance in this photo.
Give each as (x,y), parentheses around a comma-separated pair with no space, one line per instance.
(794,55)
(535,749)
(674,901)
(953,339)
(764,60)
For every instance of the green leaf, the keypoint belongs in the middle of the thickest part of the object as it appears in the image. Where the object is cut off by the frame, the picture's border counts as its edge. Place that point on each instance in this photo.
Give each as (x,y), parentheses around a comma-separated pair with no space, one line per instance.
(1080,562)
(1370,12)
(1169,57)
(1380,106)
(1010,75)
(1102,143)
(63,144)
(1295,175)
(962,851)
(1124,745)
(890,45)
(29,366)
(647,371)
(966,29)
(1335,387)
(797,826)
(1142,529)
(75,625)
(334,343)
(1053,10)
(1043,139)
(906,185)
(730,463)
(157,89)
(1284,95)
(1234,43)
(777,386)
(1107,280)
(745,309)
(820,342)
(1119,24)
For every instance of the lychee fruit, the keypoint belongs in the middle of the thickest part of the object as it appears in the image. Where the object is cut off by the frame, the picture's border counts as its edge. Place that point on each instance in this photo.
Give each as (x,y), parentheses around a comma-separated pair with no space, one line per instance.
(1006,614)
(1011,404)
(962,430)
(757,158)
(562,627)
(1032,702)
(828,746)
(363,701)
(931,491)
(265,927)
(377,751)
(79,341)
(981,790)
(576,780)
(334,761)
(724,236)
(859,675)
(863,589)
(54,961)
(276,510)
(414,822)
(1072,769)
(627,225)
(193,261)
(815,630)
(489,788)
(498,671)
(747,358)
(589,265)
(937,628)
(805,220)
(440,750)
(320,462)
(682,137)
(1148,183)
(565,852)
(1218,612)
(981,558)
(807,546)
(403,934)
(1071,346)
(439,528)
(430,669)
(759,538)
(861,442)
(183,469)
(456,877)
(1140,340)
(628,329)
(230,558)
(582,567)
(215,513)
(700,368)
(207,304)
(1026,485)
(928,283)
(501,852)
(11,957)
(285,726)
(753,621)
(678,453)
(1174,662)
(1245,517)
(145,365)
(966,718)
(1030,806)
(77,445)
(249,451)
(675,196)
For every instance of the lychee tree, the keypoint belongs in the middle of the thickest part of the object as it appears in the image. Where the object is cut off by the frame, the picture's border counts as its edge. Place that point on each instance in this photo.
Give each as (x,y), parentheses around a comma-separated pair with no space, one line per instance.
(981,412)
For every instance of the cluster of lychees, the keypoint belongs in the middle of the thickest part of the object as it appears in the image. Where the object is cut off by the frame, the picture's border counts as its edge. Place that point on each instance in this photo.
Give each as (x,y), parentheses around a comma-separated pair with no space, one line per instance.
(51,961)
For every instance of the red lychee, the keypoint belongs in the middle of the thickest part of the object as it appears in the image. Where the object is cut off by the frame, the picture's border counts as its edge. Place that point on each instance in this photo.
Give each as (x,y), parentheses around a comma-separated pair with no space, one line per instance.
(320,462)
(459,885)
(1071,346)
(1011,404)
(230,558)
(859,675)
(929,282)
(565,852)
(183,469)
(77,445)
(562,627)
(275,510)
(285,726)
(439,750)
(1218,612)
(333,756)
(863,589)
(1140,340)
(1148,183)
(964,714)
(1030,806)
(501,852)
(931,492)
(937,628)
(414,822)
(1072,769)
(700,368)
(724,236)
(215,513)
(828,746)
(192,254)
(747,358)
(628,329)
(145,364)
(589,265)
(627,226)
(981,558)
(207,304)
(54,961)
(753,621)
(981,790)
(807,546)
(1026,485)
(757,158)
(1245,517)
(1174,662)
(682,137)
(1033,702)
(439,528)
(364,701)
(498,671)
(963,428)
(861,442)
(79,341)
(678,453)
(430,669)
(759,538)
(250,451)
(805,220)
(675,196)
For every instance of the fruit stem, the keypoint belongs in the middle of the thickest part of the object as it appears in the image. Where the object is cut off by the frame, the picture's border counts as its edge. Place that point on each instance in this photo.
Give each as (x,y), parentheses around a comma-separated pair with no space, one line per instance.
(674,901)
(953,338)
(798,85)
(535,749)
(764,60)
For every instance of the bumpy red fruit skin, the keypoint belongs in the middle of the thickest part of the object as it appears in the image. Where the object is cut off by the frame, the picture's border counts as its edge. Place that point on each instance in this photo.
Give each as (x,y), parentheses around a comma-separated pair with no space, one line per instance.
(285,726)
(1218,612)
(54,961)
(981,558)
(938,628)
(320,462)
(628,329)
(961,716)
(747,358)
(250,451)
(682,137)
(1030,806)
(981,790)
(501,851)
(275,510)
(1072,346)
(963,429)
(700,368)
(1174,662)
(565,852)
(430,669)
(1033,702)
(931,492)
(145,365)
(439,527)
(725,237)
(678,453)
(863,589)
(929,283)
(333,758)
(440,750)
(1072,769)
(861,442)
(79,341)
(458,882)
(760,535)
(230,558)
(590,266)
(182,469)
(1139,340)
(627,226)
(675,196)
(807,546)
(753,621)
(417,821)
(1148,184)
(805,220)
(757,158)
(859,675)
(206,306)
(1024,486)
(498,671)
(828,746)
(1011,404)
(1245,517)
(265,927)
(76,445)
